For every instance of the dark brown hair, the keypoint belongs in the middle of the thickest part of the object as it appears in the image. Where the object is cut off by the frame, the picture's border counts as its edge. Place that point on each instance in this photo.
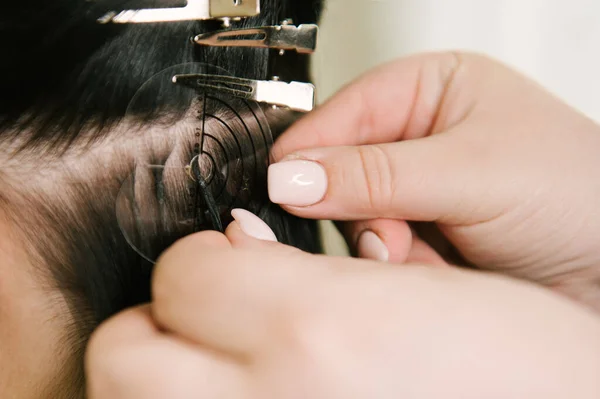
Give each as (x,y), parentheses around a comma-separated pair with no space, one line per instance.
(66,146)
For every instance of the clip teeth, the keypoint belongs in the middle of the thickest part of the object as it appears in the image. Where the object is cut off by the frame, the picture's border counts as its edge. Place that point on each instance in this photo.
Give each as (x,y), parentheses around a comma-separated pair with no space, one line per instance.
(296,96)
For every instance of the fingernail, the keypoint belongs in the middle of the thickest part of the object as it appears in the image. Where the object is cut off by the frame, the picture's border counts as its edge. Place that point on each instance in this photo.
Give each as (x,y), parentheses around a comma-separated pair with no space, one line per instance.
(252,225)
(297,183)
(370,246)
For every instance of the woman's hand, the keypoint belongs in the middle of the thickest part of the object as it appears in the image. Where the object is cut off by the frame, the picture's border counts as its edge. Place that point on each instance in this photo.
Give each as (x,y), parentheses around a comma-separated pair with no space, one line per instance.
(509,174)
(238,318)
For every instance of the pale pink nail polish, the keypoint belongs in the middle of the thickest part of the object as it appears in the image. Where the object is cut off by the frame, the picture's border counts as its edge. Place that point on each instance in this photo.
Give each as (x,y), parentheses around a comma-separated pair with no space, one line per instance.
(252,225)
(297,183)
(370,246)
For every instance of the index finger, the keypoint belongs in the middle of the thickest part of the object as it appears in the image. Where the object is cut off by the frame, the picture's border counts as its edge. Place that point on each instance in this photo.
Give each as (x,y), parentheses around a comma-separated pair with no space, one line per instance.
(225,298)
(398,101)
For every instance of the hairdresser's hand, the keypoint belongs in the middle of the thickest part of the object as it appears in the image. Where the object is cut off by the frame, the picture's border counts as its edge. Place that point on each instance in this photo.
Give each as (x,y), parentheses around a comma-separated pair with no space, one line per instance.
(244,319)
(509,174)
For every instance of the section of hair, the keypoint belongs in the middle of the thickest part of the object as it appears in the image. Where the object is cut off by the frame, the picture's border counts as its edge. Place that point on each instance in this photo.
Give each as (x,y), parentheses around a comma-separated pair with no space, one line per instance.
(66,70)
(66,149)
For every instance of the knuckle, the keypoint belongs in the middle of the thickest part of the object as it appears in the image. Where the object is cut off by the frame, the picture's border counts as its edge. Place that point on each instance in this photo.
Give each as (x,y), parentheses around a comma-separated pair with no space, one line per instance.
(187,257)
(114,349)
(110,333)
(195,241)
(378,176)
(472,64)
(453,59)
(473,58)
(102,356)
(367,122)
(101,340)
(450,64)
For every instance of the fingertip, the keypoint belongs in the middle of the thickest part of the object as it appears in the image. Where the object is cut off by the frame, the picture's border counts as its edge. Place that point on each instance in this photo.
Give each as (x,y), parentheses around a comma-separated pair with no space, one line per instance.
(249,226)
(396,236)
(297,183)
(380,239)
(371,246)
(239,239)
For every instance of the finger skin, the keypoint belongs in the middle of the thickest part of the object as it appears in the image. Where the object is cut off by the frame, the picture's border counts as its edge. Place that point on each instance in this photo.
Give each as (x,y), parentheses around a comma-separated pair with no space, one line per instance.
(432,179)
(383,158)
(128,357)
(241,240)
(403,244)
(316,323)
(395,235)
(495,162)
(128,326)
(398,101)
(421,253)
(209,295)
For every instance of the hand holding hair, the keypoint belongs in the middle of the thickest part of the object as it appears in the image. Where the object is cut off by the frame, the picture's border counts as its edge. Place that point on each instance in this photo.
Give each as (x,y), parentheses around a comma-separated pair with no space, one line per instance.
(507,173)
(233,317)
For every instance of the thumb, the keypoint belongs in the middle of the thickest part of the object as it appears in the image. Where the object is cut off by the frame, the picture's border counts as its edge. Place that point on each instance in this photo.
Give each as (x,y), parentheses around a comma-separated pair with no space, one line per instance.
(430,179)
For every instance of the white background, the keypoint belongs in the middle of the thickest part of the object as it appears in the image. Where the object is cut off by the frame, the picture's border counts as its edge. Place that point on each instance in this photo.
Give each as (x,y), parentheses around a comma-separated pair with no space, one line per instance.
(556,42)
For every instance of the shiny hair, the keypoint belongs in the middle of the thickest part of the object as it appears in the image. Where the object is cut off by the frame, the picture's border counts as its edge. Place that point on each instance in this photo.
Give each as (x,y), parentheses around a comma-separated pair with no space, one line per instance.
(66,145)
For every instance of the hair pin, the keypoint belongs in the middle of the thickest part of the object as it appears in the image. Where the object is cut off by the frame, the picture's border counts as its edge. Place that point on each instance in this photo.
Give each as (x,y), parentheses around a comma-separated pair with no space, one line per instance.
(294,95)
(193,10)
(302,39)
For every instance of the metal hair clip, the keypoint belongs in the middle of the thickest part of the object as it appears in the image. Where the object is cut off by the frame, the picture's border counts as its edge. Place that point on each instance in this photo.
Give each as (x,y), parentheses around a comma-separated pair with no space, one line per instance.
(302,39)
(294,95)
(194,10)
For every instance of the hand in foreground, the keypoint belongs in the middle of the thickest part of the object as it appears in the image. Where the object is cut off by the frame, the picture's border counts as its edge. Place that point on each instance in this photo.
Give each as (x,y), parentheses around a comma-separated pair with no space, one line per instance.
(509,174)
(237,318)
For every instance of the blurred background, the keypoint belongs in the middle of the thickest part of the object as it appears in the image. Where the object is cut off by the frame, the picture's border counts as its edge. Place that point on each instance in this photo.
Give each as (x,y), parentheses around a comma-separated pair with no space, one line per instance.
(556,42)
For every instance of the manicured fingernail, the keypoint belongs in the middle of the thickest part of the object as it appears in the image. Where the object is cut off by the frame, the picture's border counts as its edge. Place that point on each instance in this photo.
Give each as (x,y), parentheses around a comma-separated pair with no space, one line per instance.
(252,225)
(297,183)
(370,246)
